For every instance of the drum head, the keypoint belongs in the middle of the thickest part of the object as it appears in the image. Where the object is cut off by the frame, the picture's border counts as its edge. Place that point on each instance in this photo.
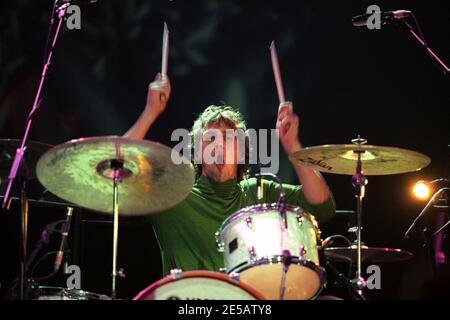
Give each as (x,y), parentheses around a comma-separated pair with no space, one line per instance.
(302,282)
(199,285)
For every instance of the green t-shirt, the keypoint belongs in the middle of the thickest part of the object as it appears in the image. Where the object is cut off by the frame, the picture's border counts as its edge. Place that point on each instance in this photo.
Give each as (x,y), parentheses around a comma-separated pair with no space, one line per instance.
(186,232)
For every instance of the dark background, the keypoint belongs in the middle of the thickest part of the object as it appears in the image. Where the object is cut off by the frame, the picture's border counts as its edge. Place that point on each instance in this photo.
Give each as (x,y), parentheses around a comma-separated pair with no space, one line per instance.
(343,81)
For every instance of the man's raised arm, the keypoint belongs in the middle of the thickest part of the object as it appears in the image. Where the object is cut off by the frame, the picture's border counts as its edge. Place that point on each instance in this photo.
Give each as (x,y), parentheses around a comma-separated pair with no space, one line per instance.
(157,98)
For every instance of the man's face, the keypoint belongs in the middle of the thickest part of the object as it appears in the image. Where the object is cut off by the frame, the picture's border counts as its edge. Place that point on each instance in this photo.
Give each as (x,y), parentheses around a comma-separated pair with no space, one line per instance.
(220,152)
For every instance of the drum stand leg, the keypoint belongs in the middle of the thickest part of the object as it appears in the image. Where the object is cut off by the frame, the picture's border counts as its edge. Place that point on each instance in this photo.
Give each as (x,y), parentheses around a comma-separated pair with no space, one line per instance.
(116,165)
(359,181)
(23,282)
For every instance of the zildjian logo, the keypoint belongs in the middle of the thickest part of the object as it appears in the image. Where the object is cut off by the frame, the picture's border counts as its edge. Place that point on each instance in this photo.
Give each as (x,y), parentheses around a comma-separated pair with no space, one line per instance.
(318,163)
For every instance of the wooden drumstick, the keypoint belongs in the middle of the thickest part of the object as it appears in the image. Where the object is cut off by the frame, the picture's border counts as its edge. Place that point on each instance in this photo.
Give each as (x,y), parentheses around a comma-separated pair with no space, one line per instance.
(165,51)
(276,72)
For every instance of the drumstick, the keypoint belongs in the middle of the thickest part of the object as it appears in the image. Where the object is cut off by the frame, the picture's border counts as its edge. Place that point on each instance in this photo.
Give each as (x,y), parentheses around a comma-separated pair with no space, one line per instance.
(165,51)
(276,72)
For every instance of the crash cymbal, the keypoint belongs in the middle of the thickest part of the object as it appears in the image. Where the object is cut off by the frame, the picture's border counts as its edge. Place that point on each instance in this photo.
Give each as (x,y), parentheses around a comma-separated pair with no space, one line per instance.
(376,160)
(33,152)
(368,254)
(79,171)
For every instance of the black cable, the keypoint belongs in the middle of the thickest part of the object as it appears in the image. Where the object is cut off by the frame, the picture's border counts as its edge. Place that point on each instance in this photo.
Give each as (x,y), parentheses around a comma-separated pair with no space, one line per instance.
(40,260)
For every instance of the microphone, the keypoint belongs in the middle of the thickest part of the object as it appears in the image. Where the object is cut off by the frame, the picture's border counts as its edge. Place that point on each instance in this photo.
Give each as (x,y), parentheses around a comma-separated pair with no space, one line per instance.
(327,242)
(385,16)
(64,233)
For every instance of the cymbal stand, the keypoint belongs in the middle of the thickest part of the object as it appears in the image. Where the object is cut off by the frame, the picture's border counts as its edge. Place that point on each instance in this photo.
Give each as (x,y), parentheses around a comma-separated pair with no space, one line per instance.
(116,166)
(359,181)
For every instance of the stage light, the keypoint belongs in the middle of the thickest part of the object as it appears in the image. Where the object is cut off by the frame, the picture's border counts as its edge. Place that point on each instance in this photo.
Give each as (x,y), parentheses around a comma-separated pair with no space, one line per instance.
(422,190)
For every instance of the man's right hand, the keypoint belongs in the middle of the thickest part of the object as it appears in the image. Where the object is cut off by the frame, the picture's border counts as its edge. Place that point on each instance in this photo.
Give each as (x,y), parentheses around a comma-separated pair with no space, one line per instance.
(158,95)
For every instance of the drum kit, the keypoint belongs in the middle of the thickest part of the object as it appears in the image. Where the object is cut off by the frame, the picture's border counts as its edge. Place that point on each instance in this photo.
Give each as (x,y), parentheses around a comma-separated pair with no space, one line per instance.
(270,251)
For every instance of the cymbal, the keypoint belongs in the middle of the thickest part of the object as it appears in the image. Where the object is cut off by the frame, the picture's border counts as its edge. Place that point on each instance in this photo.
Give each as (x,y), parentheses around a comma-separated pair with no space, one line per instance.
(34,151)
(79,171)
(368,254)
(376,160)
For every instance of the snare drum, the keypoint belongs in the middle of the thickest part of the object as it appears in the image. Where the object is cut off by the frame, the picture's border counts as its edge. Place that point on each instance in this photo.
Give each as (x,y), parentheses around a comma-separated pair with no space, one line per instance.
(199,285)
(57,293)
(279,262)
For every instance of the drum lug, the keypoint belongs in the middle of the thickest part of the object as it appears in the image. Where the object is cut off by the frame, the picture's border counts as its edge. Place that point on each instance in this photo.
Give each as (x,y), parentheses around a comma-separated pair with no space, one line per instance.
(302,252)
(176,273)
(223,270)
(248,220)
(219,244)
(300,220)
(252,253)
(234,276)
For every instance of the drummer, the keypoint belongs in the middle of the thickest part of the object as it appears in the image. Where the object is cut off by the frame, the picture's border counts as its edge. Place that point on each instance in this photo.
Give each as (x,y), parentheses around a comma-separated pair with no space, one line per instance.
(186,232)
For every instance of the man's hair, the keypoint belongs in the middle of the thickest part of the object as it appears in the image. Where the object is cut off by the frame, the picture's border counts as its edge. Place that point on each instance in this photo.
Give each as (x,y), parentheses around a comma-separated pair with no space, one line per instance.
(219,115)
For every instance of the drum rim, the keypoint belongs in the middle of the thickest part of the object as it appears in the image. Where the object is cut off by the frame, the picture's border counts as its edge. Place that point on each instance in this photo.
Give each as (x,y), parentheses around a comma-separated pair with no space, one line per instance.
(278,259)
(262,208)
(201,274)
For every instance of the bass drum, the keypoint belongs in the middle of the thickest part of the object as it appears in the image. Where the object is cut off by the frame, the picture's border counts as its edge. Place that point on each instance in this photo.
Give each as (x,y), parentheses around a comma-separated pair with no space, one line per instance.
(199,285)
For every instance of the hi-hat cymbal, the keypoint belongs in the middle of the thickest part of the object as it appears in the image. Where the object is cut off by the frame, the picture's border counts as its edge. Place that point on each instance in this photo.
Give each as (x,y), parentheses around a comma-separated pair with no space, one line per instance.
(376,160)
(33,152)
(79,171)
(368,254)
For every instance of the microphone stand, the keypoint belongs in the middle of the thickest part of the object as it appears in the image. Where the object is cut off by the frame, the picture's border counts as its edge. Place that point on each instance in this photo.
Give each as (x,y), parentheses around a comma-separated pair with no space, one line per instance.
(18,163)
(421,40)
(427,207)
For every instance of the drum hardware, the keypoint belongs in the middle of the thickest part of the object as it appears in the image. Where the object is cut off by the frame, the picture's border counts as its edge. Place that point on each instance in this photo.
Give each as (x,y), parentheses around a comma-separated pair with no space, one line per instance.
(359,181)
(248,220)
(176,273)
(234,276)
(282,198)
(58,293)
(286,262)
(219,244)
(344,281)
(252,253)
(302,252)
(300,220)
